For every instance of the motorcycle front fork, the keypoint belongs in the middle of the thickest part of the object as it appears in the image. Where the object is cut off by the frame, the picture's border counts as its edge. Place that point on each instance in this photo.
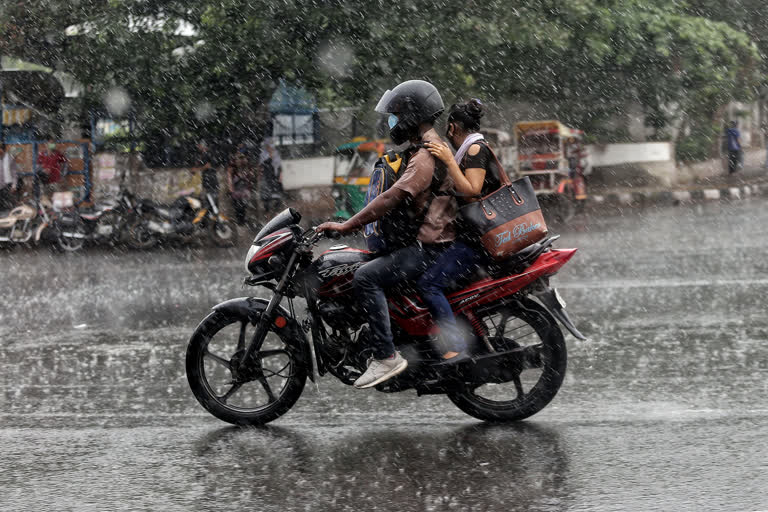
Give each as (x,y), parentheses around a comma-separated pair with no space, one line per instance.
(266,317)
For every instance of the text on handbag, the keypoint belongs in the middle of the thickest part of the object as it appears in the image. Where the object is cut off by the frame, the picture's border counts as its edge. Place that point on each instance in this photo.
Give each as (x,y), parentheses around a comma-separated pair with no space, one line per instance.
(518,232)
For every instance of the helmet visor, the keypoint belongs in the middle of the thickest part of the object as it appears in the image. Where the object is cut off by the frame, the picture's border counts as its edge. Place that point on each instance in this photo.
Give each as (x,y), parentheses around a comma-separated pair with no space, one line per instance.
(384,103)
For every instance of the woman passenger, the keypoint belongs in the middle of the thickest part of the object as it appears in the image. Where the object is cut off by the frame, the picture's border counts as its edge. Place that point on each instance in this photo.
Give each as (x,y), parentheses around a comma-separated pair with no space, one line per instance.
(475,174)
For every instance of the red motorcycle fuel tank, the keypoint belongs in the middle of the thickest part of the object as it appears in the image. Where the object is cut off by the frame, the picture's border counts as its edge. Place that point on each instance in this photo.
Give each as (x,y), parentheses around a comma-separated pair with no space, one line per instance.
(335,269)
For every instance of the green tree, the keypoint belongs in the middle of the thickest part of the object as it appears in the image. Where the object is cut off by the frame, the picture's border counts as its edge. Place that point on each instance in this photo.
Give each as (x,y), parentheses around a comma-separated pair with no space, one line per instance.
(208,67)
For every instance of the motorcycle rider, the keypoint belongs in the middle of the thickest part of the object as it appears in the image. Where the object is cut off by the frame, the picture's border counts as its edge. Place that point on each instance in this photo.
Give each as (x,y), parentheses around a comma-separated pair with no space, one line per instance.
(475,173)
(413,107)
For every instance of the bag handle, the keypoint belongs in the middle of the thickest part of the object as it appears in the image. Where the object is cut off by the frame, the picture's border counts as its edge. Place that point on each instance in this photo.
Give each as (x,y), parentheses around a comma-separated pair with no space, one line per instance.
(503,177)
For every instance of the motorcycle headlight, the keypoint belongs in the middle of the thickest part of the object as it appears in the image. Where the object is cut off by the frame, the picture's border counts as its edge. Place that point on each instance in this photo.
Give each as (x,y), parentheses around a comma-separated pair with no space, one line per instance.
(253,250)
(335,194)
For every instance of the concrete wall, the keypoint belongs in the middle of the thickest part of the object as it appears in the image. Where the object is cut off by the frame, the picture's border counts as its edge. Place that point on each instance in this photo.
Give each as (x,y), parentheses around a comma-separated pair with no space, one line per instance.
(602,155)
(307,172)
(632,164)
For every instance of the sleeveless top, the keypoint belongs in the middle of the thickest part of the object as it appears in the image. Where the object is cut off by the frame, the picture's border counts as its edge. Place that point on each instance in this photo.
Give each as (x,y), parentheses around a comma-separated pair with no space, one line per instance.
(484,159)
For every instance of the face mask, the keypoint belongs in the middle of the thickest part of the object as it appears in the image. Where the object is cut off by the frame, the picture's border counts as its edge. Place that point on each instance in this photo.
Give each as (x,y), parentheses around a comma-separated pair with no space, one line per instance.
(51,146)
(392,121)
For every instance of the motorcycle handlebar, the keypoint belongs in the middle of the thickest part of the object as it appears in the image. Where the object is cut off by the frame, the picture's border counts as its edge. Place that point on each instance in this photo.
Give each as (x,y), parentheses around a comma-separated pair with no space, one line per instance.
(316,236)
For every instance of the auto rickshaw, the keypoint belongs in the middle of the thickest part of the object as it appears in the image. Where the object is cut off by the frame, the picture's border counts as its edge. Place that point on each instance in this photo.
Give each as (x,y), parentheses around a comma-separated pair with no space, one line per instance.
(352,165)
(554,157)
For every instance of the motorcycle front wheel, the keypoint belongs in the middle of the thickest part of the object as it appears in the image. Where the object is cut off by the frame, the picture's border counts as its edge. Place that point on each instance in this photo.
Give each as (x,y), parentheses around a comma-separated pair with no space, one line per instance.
(222,233)
(256,394)
(109,229)
(140,237)
(530,331)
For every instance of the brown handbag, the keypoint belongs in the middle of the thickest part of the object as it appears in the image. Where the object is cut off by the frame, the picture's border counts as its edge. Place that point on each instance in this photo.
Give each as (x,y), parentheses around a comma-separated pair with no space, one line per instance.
(508,219)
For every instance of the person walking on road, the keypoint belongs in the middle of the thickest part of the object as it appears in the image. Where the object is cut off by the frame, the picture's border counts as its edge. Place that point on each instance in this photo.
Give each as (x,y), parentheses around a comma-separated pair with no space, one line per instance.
(734,147)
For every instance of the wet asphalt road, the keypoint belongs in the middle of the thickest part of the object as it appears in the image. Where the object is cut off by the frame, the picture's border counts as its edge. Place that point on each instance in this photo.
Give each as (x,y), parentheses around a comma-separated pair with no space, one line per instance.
(664,408)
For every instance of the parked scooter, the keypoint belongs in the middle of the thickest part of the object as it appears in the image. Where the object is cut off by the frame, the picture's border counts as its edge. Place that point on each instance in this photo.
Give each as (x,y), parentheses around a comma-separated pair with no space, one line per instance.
(25,224)
(183,220)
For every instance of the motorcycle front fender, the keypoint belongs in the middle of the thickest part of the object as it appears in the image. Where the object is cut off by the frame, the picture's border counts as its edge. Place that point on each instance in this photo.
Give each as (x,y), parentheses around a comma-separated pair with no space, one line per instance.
(251,308)
(551,300)
(39,231)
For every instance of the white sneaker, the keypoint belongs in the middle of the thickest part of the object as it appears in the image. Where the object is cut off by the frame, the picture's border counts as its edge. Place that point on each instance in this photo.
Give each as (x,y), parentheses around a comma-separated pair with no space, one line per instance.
(380,370)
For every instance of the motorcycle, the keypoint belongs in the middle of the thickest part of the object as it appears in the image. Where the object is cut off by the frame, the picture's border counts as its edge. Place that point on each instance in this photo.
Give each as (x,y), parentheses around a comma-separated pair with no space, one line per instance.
(248,360)
(107,224)
(24,224)
(183,220)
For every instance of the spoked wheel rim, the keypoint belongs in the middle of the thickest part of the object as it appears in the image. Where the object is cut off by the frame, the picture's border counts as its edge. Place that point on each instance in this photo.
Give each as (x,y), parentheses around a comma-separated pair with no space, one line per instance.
(140,236)
(223,231)
(534,370)
(509,332)
(250,388)
(72,238)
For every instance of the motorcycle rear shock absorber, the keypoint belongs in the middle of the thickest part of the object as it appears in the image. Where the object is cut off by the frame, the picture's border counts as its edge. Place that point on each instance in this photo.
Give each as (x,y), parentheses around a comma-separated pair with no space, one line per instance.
(480,329)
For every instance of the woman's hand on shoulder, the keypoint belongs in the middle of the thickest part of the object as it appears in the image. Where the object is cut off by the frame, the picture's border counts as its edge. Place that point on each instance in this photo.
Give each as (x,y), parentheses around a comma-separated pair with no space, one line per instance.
(439,150)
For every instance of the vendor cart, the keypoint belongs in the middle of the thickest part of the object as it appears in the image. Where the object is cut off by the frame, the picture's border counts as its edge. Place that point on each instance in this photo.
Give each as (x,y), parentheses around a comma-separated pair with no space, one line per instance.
(352,166)
(555,159)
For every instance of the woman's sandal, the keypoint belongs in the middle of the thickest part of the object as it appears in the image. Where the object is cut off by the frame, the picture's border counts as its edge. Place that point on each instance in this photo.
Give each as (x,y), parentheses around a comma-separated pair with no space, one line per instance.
(458,357)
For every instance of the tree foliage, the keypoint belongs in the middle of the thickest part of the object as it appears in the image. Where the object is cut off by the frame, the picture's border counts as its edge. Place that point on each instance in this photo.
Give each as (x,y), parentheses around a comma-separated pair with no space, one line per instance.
(208,67)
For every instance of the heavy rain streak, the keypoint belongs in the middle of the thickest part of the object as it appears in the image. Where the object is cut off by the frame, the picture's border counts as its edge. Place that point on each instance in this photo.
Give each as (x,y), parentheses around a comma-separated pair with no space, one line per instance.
(360,255)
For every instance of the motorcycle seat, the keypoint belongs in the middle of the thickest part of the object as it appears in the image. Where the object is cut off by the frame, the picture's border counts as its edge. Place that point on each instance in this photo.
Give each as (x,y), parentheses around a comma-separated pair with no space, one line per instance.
(521,260)
(515,264)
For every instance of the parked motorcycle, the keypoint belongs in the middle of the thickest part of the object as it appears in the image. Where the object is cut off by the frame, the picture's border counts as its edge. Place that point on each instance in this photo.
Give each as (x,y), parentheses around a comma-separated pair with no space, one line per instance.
(25,224)
(106,224)
(183,220)
(248,360)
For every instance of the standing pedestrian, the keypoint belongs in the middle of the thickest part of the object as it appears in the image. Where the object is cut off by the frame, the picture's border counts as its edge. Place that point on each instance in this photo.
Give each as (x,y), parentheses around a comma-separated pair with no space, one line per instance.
(53,165)
(734,147)
(239,182)
(8,174)
(210,179)
(271,180)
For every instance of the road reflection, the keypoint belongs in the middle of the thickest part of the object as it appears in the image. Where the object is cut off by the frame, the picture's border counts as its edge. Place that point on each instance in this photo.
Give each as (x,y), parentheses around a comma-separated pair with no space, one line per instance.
(475,467)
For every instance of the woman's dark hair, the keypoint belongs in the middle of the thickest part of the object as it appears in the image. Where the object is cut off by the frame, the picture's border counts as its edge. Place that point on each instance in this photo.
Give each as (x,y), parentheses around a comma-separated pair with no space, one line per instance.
(467,114)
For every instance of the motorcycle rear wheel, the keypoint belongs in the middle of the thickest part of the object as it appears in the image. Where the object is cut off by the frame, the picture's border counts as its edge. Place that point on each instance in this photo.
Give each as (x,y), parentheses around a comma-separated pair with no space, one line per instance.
(211,362)
(71,237)
(545,361)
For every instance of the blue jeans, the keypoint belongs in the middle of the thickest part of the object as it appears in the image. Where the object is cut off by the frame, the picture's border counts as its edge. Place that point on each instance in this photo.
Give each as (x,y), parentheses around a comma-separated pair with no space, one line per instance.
(384,272)
(458,261)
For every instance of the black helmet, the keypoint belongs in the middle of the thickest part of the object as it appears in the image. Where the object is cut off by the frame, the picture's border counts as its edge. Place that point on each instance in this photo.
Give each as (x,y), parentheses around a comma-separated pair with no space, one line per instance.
(413,102)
